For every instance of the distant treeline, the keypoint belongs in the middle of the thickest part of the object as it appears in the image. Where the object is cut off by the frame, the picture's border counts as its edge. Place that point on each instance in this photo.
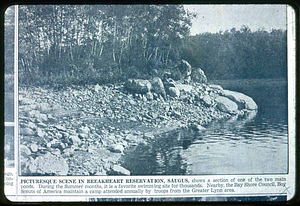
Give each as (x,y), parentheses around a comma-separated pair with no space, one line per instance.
(239,54)
(80,44)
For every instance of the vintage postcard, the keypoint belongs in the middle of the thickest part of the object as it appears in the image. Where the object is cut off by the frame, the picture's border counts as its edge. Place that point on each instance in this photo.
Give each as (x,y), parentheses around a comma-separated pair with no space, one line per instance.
(150,102)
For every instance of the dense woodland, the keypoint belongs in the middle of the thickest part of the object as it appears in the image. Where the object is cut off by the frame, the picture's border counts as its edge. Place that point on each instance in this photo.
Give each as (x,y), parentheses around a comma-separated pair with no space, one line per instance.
(79,44)
(238,54)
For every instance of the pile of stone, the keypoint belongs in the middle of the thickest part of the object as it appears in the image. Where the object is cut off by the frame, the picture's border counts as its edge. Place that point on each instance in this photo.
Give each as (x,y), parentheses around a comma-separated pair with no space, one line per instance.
(84,130)
(211,95)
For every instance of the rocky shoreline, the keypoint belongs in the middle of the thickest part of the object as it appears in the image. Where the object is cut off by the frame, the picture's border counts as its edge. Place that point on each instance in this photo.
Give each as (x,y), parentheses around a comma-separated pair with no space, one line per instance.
(85,130)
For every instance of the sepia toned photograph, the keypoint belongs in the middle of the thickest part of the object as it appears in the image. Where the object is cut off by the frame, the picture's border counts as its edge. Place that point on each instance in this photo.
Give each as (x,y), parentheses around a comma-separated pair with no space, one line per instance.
(152,89)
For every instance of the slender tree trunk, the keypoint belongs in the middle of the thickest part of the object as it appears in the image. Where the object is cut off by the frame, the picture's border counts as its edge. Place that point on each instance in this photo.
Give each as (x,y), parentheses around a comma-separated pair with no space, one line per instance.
(114,41)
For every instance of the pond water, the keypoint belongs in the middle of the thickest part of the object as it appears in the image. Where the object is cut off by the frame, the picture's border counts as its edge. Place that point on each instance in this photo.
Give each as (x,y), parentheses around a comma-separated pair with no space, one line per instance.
(254,144)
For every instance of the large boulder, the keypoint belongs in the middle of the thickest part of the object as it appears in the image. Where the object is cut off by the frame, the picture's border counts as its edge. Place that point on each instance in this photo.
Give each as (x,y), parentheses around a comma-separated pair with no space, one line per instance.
(174,92)
(215,87)
(186,68)
(26,131)
(169,83)
(149,96)
(198,76)
(243,101)
(119,170)
(183,72)
(24,151)
(48,164)
(139,86)
(158,86)
(207,99)
(226,105)
(185,88)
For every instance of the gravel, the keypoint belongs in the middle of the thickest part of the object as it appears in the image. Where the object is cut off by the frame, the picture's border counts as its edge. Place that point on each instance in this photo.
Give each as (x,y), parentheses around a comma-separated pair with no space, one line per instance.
(88,128)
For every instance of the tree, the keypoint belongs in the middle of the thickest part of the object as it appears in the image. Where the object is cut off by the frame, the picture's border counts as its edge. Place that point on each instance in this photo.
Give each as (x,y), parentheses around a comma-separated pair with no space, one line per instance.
(238,54)
(83,43)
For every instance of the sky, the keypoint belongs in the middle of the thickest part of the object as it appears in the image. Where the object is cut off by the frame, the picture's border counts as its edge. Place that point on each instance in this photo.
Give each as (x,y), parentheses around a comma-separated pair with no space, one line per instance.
(213,18)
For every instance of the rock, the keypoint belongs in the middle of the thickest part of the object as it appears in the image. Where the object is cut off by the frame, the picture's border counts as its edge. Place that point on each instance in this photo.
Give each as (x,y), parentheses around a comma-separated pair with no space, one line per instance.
(185,69)
(149,135)
(207,100)
(54,144)
(31,125)
(117,148)
(83,136)
(158,86)
(197,127)
(42,125)
(24,150)
(166,75)
(66,134)
(171,129)
(154,115)
(26,132)
(49,164)
(243,101)
(40,132)
(139,86)
(176,114)
(155,96)
(215,87)
(132,102)
(133,119)
(25,101)
(149,96)
(130,138)
(96,88)
(60,127)
(68,152)
(50,118)
(44,107)
(43,117)
(117,169)
(226,105)
(31,113)
(84,130)
(56,151)
(185,87)
(75,140)
(174,92)
(169,83)
(198,76)
(144,98)
(58,135)
(62,145)
(161,98)
(100,173)
(187,80)
(34,147)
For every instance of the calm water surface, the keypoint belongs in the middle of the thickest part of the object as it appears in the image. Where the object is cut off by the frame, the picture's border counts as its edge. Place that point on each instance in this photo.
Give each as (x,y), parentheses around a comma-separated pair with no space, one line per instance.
(254,144)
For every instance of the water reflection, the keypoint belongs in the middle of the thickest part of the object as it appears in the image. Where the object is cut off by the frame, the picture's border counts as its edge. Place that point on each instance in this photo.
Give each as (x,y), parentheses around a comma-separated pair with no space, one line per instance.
(163,156)
(254,143)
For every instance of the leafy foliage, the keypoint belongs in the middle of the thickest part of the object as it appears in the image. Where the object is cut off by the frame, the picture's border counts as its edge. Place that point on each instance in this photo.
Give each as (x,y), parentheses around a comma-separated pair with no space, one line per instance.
(99,43)
(80,44)
(239,54)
